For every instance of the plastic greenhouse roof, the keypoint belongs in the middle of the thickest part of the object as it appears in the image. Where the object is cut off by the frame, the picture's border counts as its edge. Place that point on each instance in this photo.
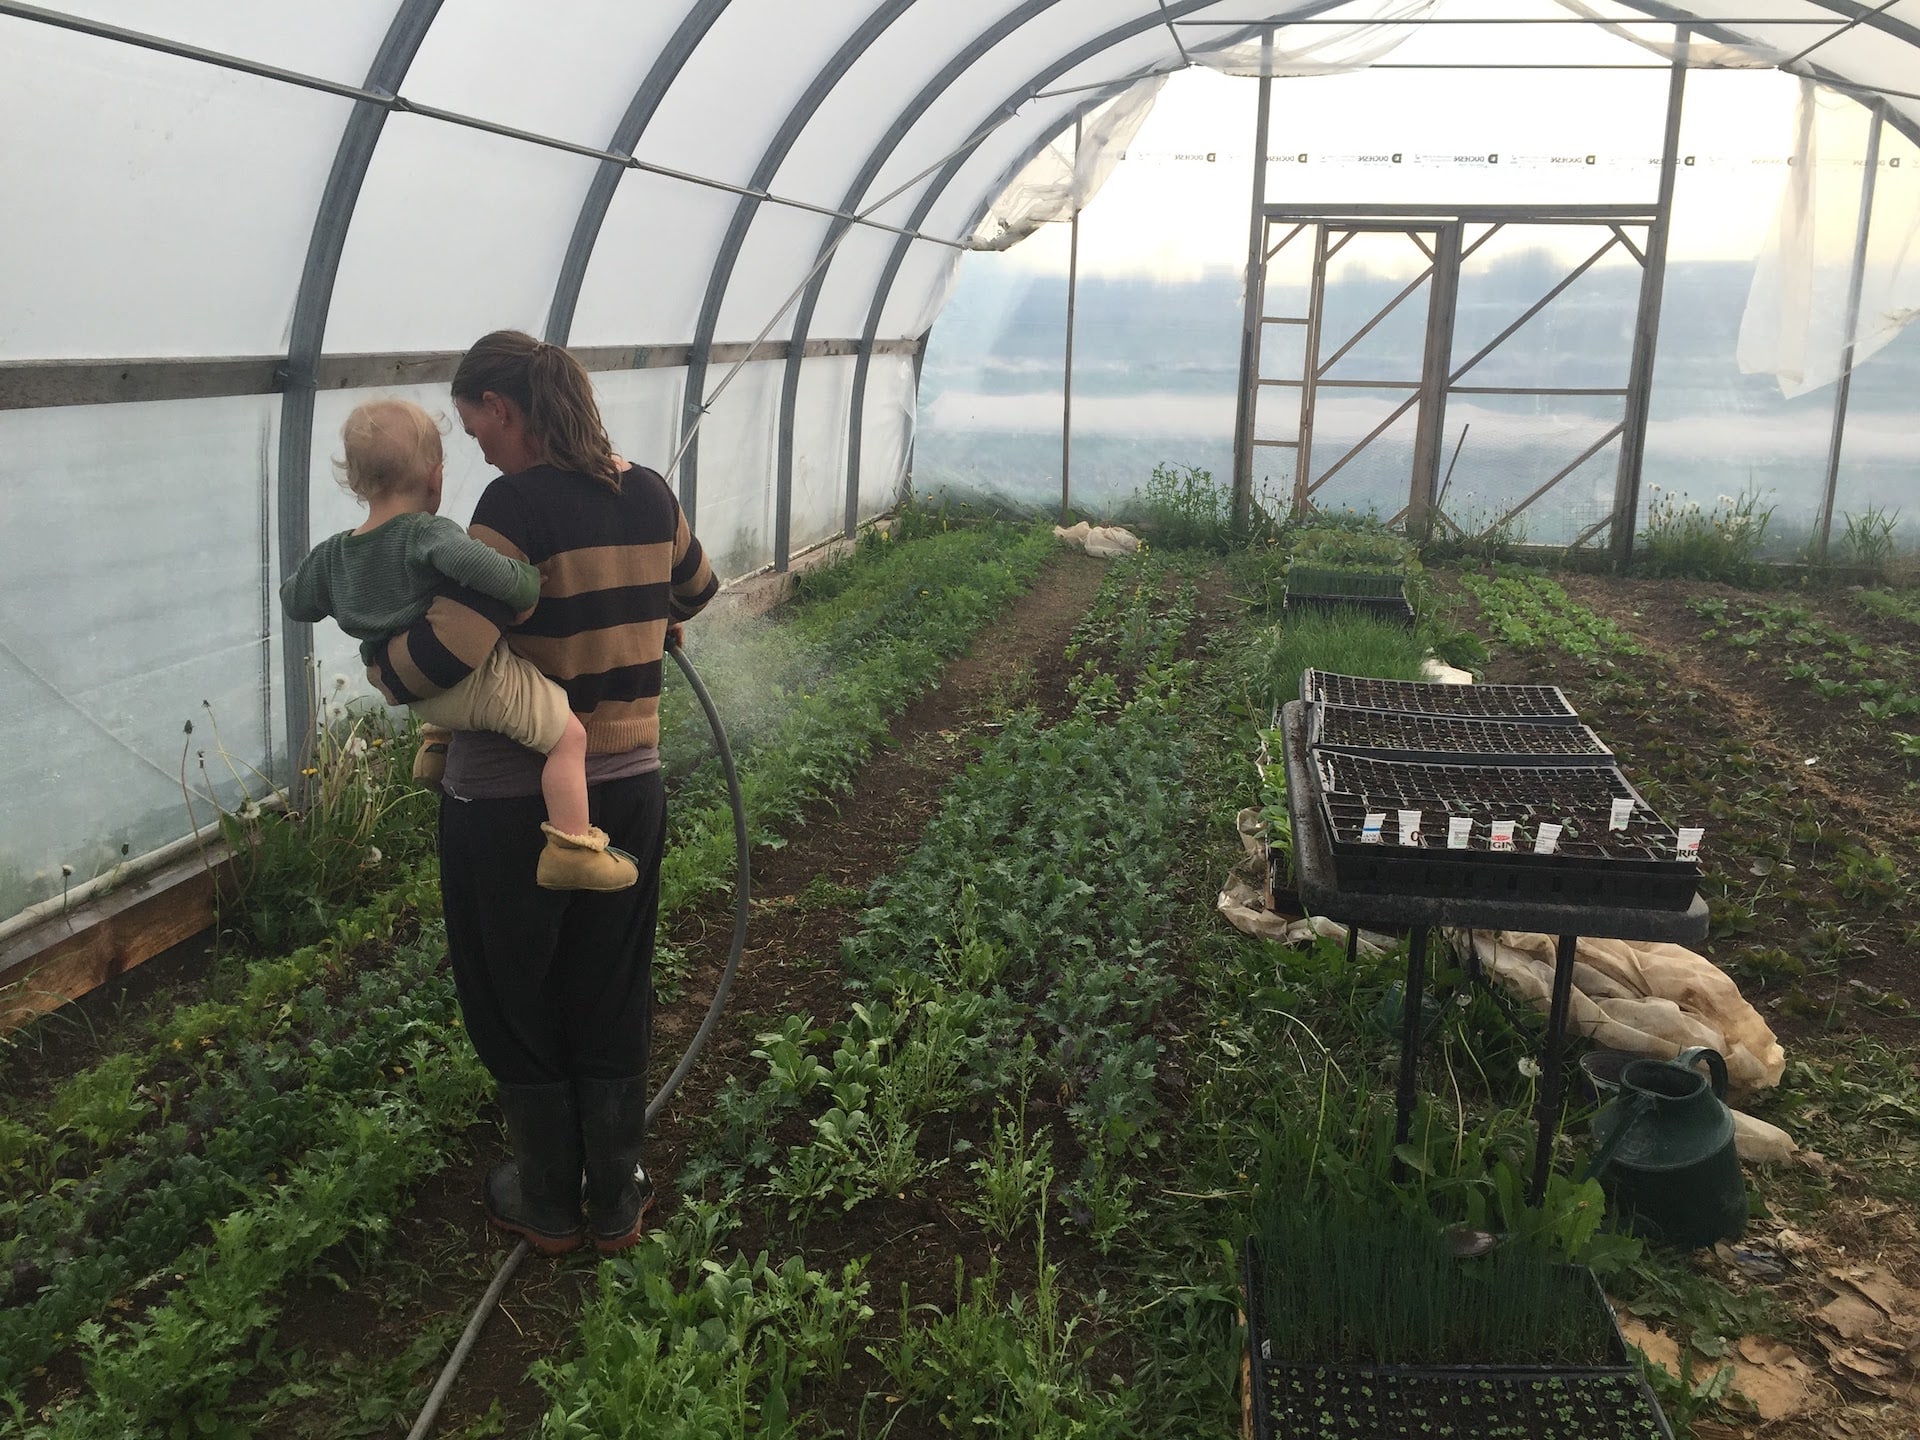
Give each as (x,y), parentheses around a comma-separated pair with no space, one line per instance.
(355,178)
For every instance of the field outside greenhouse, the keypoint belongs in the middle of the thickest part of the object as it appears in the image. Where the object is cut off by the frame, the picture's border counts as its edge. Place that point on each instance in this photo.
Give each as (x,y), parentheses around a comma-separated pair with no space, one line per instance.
(998,1094)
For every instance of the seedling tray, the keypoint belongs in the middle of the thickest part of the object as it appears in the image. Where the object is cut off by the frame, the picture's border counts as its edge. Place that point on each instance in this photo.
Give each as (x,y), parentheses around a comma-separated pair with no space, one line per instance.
(1450,739)
(1380,594)
(1592,865)
(1296,1398)
(1415,697)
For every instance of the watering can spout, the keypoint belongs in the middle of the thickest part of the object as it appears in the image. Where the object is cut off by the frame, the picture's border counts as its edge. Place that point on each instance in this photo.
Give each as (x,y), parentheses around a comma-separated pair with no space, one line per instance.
(1666,1153)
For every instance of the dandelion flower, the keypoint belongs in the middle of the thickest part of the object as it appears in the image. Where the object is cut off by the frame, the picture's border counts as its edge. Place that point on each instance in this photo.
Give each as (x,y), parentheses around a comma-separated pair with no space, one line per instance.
(66,871)
(340,682)
(336,711)
(356,747)
(311,770)
(373,855)
(248,810)
(1529,1067)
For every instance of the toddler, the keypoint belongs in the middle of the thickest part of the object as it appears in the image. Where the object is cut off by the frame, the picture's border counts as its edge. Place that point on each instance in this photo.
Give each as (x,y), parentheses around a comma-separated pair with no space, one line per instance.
(379,579)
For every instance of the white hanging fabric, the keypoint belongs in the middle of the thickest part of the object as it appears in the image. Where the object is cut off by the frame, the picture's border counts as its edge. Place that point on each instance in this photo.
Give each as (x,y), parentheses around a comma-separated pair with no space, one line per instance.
(1795,326)
(1058,182)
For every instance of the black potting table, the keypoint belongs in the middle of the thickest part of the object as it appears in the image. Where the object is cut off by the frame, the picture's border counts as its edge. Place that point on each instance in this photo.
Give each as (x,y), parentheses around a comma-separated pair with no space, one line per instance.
(1320,894)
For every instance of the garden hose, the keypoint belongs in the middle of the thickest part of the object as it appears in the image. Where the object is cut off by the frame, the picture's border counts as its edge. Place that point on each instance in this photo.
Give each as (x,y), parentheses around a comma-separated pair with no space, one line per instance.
(742,892)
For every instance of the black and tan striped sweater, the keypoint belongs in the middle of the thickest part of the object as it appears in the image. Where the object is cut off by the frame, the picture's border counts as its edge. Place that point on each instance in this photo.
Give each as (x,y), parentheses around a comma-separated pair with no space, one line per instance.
(614,570)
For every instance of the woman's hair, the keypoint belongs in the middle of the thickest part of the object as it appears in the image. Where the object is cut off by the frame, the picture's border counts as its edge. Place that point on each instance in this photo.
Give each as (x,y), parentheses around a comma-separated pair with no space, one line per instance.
(391,446)
(552,391)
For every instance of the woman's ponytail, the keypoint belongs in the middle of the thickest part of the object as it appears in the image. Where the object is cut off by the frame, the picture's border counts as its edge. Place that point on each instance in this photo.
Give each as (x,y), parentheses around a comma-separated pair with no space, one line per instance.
(552,391)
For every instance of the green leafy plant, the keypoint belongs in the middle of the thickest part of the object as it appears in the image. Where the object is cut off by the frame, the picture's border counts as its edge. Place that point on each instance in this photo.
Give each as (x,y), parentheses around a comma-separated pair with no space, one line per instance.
(1720,542)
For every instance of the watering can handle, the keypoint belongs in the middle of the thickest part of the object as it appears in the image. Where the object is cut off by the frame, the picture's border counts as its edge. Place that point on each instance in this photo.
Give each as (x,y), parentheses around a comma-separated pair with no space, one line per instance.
(1638,1106)
(1716,1066)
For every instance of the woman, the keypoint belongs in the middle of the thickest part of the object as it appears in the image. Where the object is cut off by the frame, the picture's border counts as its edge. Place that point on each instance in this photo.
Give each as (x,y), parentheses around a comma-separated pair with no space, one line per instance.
(556,987)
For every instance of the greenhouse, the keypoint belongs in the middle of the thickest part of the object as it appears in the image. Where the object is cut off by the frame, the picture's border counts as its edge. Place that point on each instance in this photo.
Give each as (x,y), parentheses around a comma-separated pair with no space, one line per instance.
(1243,678)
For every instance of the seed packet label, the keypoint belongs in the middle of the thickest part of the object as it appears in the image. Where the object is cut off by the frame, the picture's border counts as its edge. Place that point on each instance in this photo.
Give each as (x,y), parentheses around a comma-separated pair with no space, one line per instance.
(1622,813)
(1503,835)
(1690,837)
(1459,831)
(1409,827)
(1546,839)
(1370,829)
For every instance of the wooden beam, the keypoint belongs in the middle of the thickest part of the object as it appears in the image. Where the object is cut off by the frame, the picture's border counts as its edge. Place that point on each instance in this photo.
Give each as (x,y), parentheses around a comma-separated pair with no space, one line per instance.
(69,955)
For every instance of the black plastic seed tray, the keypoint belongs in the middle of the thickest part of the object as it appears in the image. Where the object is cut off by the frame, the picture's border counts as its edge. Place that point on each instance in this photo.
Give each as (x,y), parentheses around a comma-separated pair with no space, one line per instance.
(1452,739)
(1415,697)
(1298,1398)
(1378,593)
(1346,584)
(1591,864)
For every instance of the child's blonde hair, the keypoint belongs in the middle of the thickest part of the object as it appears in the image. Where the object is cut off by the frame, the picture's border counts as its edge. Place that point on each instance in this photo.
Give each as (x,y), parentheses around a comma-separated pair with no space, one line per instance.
(392,446)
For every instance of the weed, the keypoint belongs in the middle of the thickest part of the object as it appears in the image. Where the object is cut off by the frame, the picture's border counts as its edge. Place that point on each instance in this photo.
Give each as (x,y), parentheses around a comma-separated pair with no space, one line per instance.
(1723,542)
(1869,541)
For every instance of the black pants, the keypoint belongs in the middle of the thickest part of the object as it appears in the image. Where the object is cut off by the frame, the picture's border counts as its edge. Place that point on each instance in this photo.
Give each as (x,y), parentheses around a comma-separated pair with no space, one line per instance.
(553,984)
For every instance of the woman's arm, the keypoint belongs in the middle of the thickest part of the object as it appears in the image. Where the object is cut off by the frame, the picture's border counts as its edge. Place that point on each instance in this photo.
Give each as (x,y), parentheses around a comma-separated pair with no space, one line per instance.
(693,580)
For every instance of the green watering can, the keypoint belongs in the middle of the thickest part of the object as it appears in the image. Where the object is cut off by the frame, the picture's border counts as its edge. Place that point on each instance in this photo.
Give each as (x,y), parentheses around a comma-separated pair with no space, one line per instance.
(1666,1156)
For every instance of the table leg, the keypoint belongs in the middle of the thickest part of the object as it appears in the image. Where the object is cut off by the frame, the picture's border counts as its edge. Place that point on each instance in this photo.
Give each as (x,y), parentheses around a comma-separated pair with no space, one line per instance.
(1552,1075)
(1353,942)
(1411,997)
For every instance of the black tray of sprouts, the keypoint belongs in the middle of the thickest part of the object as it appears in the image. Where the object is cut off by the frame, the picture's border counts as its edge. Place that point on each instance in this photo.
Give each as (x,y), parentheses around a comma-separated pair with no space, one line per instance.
(1545,703)
(1381,594)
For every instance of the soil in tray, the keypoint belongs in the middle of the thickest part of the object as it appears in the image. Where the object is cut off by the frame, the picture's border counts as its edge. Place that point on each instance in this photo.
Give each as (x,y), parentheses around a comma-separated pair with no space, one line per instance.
(1486,702)
(1435,735)
(1315,1403)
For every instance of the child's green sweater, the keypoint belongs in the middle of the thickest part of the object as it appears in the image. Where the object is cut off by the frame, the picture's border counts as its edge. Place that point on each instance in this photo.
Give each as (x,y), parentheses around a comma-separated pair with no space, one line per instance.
(379,583)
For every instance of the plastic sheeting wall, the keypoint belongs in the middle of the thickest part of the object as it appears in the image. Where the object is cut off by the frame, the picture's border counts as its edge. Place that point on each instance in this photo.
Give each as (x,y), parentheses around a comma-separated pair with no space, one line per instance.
(100,680)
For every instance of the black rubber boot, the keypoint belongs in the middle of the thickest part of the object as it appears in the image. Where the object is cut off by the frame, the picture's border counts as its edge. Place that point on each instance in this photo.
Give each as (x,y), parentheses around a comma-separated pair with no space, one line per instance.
(537,1193)
(613,1127)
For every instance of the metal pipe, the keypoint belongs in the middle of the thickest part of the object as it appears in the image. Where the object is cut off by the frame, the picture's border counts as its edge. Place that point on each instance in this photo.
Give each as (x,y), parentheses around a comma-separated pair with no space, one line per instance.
(312,303)
(1310,376)
(1442,300)
(1253,302)
(1882,7)
(1633,439)
(1073,285)
(720,274)
(639,113)
(1855,280)
(1552,1072)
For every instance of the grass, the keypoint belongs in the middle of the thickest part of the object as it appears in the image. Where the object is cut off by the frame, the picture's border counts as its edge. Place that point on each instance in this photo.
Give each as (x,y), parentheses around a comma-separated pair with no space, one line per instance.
(1346,642)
